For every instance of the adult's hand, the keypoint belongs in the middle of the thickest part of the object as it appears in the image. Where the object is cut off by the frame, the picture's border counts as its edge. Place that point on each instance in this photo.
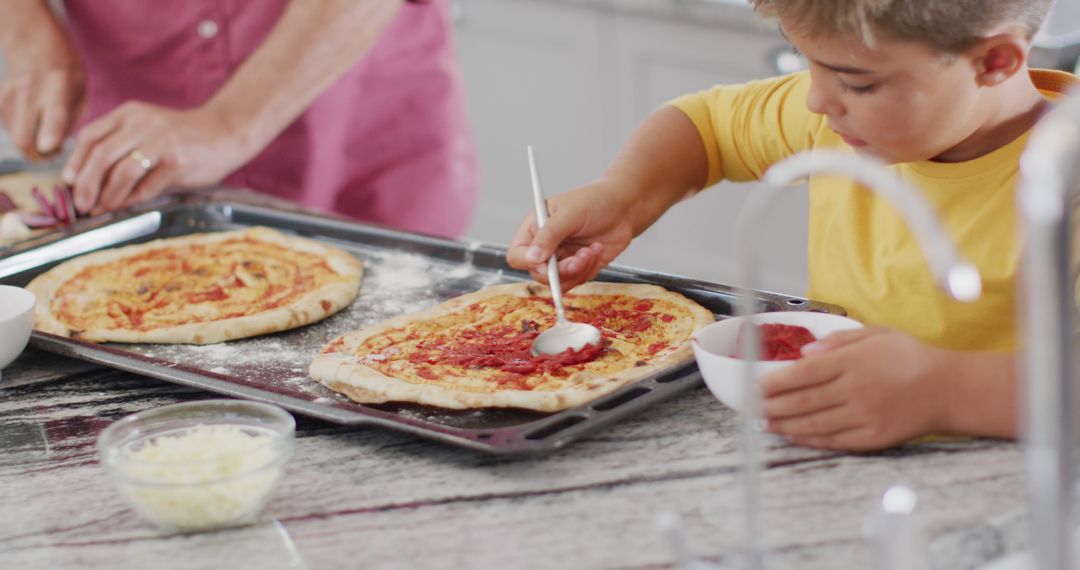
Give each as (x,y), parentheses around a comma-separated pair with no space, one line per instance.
(586,230)
(138,150)
(43,87)
(316,41)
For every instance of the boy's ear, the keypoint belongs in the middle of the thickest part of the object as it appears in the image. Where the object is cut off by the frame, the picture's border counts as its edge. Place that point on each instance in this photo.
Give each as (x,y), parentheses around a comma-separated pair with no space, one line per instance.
(999,57)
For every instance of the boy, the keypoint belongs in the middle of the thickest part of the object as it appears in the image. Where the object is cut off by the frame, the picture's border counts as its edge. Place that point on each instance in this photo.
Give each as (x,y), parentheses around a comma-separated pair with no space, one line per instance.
(940,89)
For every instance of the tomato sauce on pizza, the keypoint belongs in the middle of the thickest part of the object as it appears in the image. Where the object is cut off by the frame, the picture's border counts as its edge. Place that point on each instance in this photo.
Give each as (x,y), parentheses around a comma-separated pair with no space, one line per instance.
(200,288)
(475,351)
(492,339)
(195,283)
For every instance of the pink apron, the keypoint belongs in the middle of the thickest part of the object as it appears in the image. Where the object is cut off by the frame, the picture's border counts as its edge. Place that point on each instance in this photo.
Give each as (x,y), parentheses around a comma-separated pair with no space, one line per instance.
(387,143)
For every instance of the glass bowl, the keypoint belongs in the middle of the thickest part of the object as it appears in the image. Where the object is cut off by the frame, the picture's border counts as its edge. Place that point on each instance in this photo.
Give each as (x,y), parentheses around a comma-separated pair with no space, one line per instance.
(198,465)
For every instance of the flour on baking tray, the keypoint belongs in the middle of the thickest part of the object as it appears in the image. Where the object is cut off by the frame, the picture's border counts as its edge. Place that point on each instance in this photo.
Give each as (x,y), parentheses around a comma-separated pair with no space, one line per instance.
(260,355)
(394,283)
(403,270)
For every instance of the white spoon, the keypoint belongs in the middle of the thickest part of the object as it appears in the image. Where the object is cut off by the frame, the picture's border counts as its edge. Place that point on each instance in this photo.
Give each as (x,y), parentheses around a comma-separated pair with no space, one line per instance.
(565,334)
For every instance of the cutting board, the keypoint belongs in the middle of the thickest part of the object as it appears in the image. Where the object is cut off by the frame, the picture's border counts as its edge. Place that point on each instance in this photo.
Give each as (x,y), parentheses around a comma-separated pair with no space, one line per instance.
(18,186)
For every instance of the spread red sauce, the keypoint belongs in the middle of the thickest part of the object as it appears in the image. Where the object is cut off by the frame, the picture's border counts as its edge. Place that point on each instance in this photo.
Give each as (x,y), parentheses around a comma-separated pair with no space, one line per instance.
(507,348)
(782,342)
(618,320)
(504,348)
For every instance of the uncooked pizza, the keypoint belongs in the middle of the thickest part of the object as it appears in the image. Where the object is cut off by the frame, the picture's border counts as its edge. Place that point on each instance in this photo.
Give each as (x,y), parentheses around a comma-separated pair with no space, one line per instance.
(474,351)
(199,289)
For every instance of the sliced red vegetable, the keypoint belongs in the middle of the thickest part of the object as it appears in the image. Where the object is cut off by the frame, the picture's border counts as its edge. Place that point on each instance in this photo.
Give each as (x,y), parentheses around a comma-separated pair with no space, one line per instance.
(37,220)
(63,206)
(43,202)
(59,211)
(6,203)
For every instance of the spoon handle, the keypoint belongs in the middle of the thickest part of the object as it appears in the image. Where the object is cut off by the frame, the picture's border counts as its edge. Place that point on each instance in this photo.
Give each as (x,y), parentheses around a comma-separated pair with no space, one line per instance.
(541,218)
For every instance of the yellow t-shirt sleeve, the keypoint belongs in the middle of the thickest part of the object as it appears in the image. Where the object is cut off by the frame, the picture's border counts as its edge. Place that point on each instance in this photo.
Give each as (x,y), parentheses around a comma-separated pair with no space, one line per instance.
(746,128)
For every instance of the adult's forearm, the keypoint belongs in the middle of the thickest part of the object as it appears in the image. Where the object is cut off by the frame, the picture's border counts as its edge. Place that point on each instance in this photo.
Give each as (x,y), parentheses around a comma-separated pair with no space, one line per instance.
(23,21)
(663,162)
(310,47)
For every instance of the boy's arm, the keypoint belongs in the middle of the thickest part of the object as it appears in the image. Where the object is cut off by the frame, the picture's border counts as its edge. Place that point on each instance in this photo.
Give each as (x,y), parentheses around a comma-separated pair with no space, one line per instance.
(984,393)
(980,390)
(663,162)
(730,132)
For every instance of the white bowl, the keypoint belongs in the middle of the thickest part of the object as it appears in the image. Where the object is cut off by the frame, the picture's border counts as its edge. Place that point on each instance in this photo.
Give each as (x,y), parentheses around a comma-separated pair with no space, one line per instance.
(16,320)
(714,347)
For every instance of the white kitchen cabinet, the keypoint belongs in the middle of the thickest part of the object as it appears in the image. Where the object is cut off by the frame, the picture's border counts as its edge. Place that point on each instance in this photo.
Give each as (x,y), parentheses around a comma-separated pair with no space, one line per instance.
(574,81)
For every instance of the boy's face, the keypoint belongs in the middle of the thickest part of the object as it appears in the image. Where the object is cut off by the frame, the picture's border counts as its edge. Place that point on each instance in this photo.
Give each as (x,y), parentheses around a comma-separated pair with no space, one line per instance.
(897,101)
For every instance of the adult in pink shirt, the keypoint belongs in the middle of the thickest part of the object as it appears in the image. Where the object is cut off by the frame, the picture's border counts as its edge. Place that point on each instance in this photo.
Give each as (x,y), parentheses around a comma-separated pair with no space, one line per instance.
(353,106)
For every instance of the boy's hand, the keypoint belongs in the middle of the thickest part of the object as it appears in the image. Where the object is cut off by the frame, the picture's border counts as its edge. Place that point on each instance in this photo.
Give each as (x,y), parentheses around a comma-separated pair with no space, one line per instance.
(858,390)
(662,163)
(586,228)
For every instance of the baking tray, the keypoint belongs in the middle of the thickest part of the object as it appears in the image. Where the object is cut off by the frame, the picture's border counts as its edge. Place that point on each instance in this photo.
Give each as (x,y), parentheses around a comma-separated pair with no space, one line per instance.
(403,272)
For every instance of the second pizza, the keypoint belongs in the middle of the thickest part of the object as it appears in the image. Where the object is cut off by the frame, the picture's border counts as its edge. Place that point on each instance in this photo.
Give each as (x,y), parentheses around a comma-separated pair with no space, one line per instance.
(199,289)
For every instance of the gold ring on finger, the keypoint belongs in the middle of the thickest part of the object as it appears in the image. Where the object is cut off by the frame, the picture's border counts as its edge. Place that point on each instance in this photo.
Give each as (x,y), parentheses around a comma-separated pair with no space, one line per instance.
(144,162)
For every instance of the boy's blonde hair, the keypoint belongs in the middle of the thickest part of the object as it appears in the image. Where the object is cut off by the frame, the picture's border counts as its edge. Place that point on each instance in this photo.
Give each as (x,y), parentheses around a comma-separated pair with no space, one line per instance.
(948,26)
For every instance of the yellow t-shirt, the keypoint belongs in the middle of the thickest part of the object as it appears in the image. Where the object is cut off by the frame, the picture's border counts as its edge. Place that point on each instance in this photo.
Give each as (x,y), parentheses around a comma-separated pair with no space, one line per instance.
(861,254)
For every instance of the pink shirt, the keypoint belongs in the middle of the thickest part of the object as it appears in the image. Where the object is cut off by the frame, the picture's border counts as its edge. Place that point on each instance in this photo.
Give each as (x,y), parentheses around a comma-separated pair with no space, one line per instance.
(387,143)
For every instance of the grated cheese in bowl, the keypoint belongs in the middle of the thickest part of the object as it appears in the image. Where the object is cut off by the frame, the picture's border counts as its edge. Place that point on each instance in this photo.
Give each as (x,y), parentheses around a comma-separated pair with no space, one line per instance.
(199,465)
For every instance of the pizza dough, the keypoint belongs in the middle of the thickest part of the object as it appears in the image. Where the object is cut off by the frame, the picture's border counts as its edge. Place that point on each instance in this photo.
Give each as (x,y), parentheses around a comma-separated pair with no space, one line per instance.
(198,289)
(473,351)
